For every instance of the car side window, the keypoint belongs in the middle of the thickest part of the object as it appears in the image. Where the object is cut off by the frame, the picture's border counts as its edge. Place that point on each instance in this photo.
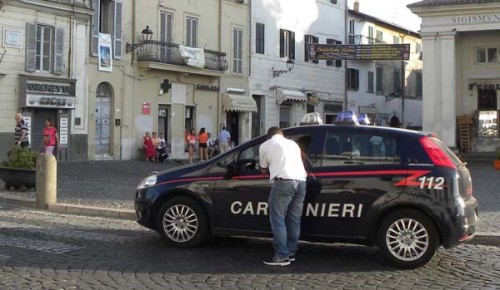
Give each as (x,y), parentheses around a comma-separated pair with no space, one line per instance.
(345,149)
(222,165)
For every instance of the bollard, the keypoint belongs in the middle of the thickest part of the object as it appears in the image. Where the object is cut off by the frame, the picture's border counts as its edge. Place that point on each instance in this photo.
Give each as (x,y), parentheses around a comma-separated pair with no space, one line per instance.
(46,181)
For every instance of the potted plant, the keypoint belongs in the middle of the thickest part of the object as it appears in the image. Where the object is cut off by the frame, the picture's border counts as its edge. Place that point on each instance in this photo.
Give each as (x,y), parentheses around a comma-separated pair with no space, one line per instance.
(19,168)
(496,162)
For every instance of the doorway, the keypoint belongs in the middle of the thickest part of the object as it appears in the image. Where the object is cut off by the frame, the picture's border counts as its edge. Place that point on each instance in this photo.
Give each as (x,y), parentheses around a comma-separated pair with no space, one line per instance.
(233,126)
(163,121)
(103,120)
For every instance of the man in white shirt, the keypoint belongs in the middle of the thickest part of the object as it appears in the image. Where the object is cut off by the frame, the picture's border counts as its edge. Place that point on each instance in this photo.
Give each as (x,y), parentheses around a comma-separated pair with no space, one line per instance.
(282,159)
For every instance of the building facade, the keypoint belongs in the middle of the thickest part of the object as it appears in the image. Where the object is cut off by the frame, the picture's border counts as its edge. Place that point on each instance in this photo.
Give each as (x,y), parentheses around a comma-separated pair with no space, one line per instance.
(42,69)
(284,83)
(461,61)
(375,87)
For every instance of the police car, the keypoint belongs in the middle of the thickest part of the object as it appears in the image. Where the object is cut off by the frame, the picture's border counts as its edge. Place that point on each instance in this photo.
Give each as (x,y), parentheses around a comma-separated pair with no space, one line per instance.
(400,190)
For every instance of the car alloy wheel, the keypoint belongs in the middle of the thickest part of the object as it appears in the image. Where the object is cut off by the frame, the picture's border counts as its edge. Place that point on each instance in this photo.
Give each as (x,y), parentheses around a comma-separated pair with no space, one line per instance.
(408,238)
(182,222)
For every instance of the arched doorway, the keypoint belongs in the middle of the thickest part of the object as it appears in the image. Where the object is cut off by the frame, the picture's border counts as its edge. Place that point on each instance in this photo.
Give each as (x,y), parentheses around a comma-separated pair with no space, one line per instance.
(103,120)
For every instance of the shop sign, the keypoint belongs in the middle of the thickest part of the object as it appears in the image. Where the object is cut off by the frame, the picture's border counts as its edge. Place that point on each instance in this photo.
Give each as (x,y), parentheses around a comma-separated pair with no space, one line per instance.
(34,87)
(471,19)
(313,100)
(358,51)
(207,87)
(146,108)
(484,86)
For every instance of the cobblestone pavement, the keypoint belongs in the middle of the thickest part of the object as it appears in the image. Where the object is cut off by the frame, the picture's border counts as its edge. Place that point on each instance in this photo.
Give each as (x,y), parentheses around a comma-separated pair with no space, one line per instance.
(46,250)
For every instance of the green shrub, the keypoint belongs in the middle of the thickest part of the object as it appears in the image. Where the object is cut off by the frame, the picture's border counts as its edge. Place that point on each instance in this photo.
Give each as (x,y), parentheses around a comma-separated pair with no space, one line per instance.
(21,158)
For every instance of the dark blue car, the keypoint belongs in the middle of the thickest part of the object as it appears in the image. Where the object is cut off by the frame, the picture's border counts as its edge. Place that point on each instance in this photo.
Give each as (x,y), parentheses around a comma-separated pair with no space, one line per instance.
(403,191)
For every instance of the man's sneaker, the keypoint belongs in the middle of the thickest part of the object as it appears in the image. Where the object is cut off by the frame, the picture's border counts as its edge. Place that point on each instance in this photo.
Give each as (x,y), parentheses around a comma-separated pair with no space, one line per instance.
(291,258)
(275,261)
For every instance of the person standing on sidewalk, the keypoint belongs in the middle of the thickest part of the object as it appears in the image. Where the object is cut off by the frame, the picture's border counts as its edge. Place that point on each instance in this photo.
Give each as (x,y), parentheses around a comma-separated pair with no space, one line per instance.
(21,132)
(50,137)
(282,159)
(224,139)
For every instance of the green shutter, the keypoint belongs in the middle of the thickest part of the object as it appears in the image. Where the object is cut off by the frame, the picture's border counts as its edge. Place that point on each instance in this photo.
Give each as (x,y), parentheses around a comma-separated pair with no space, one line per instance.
(95,28)
(30,47)
(59,51)
(117,37)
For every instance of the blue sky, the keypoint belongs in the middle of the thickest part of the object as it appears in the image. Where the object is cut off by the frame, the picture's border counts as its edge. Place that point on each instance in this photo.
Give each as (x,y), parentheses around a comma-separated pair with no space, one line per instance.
(393,11)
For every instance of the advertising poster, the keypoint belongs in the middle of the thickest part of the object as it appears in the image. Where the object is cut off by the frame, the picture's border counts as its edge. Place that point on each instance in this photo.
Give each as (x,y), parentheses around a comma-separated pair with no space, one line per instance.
(105,57)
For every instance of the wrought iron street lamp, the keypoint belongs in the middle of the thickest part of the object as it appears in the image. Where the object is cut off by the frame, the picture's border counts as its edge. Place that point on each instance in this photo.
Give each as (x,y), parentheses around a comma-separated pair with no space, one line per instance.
(146,34)
(289,65)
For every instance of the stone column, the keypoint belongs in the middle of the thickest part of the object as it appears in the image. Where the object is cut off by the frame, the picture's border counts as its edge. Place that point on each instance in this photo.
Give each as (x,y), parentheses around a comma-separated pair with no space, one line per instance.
(46,181)
(448,93)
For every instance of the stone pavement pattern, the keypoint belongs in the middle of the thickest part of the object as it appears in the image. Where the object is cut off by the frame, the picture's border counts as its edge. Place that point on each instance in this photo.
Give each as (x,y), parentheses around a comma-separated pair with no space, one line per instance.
(46,250)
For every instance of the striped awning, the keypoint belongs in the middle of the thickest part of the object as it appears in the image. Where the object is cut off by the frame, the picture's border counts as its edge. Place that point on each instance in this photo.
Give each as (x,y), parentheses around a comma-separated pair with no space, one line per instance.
(290,95)
(239,103)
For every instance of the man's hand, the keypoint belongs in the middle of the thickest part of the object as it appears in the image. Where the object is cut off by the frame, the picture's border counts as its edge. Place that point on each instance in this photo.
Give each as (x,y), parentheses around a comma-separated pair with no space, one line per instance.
(264,170)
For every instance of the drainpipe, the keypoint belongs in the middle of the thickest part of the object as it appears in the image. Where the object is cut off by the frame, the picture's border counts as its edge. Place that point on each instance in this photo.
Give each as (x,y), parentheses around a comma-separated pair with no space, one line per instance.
(346,14)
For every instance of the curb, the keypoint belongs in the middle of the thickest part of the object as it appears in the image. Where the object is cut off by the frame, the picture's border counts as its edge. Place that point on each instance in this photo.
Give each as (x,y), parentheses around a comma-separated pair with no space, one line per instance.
(480,238)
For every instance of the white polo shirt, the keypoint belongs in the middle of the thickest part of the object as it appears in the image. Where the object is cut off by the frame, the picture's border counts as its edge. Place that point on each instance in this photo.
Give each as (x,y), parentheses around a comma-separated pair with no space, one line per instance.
(283,158)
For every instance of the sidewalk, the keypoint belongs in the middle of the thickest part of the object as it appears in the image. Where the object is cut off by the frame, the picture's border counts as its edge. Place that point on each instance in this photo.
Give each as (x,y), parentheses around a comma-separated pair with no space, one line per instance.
(106,188)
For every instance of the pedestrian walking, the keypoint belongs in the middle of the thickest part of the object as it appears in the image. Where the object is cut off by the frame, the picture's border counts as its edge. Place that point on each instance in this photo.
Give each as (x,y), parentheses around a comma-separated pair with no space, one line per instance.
(149,147)
(224,139)
(282,159)
(21,132)
(50,137)
(190,143)
(202,144)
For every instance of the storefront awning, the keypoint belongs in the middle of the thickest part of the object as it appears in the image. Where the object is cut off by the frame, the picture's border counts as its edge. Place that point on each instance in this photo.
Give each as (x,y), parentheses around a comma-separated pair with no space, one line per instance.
(239,103)
(290,95)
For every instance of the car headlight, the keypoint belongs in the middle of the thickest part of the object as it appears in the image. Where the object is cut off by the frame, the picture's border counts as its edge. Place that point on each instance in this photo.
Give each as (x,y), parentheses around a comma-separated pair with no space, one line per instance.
(148,182)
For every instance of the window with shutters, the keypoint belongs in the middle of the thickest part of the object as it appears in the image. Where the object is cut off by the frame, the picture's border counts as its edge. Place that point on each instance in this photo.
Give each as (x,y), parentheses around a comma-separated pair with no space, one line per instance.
(44,48)
(259,38)
(309,39)
(397,81)
(395,39)
(338,63)
(370,82)
(107,18)
(370,35)
(352,79)
(287,44)
(380,76)
(237,51)
(192,32)
(379,36)
(166,28)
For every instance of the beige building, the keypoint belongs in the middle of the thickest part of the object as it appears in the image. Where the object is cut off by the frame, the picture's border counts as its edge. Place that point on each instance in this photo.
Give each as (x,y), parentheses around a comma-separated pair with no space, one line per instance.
(42,68)
(461,63)
(182,65)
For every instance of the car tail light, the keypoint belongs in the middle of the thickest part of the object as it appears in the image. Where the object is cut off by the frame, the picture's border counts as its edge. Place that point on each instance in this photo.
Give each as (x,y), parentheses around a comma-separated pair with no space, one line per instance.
(436,154)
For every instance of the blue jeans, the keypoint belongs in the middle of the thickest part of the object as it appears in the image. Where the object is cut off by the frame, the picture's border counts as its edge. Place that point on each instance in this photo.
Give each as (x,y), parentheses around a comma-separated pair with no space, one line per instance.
(286,202)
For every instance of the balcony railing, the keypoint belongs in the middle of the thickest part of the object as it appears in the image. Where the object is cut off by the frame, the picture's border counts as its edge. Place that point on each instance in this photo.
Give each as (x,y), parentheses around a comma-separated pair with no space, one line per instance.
(361,39)
(168,53)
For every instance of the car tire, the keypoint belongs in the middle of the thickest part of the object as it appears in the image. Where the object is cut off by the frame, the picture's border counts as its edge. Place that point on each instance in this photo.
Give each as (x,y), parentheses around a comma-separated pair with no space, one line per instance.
(182,222)
(408,238)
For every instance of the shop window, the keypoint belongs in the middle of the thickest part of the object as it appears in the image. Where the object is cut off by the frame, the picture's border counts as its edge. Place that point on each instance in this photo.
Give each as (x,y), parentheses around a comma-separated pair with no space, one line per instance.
(488,124)
(107,18)
(284,116)
(287,44)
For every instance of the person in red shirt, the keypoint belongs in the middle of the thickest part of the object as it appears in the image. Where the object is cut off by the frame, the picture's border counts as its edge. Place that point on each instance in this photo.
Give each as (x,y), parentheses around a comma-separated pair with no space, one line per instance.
(203,140)
(50,137)
(191,142)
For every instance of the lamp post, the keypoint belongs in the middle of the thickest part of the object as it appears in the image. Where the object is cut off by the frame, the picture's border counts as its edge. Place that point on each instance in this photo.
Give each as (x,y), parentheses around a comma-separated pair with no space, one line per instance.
(147,36)
(289,65)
